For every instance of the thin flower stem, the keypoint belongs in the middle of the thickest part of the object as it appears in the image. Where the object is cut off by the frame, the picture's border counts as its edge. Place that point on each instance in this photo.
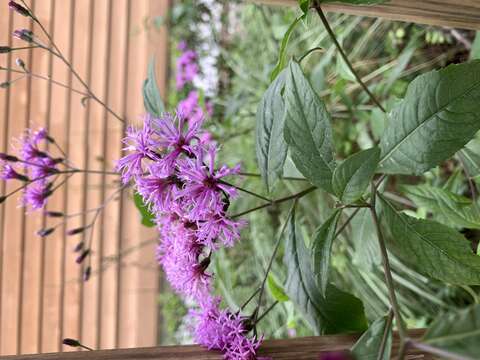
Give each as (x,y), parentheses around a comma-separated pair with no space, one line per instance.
(282,178)
(318,48)
(471,184)
(24,48)
(266,312)
(59,54)
(388,326)
(250,298)
(436,351)
(272,258)
(343,55)
(388,273)
(276,201)
(46,78)
(245,191)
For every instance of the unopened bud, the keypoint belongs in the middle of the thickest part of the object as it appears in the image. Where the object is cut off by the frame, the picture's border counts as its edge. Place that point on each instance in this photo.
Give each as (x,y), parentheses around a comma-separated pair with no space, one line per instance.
(5,85)
(54,213)
(19,9)
(23,34)
(5,49)
(87,273)
(2,199)
(82,256)
(45,232)
(79,246)
(76,231)
(7,157)
(71,342)
(58,160)
(20,63)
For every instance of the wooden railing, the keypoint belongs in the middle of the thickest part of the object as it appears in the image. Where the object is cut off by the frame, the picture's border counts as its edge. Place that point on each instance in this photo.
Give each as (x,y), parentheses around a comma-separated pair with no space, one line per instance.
(307,348)
(463,14)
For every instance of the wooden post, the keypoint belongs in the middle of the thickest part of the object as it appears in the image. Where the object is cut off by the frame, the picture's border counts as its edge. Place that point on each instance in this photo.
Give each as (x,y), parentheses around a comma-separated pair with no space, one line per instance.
(452,13)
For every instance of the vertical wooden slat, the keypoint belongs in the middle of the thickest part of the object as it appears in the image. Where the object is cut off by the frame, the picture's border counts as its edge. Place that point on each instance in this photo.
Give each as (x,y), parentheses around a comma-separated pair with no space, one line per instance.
(31,282)
(11,271)
(112,150)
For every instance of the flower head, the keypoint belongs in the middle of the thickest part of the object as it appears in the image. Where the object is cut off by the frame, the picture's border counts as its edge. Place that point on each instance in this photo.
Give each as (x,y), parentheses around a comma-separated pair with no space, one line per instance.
(35,195)
(187,67)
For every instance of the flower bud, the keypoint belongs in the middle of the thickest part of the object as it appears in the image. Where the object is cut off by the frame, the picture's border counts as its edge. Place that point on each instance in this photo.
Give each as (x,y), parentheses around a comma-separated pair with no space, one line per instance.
(76,230)
(2,199)
(23,34)
(71,342)
(5,85)
(82,256)
(54,214)
(45,232)
(79,246)
(19,9)
(20,63)
(8,157)
(5,49)
(87,273)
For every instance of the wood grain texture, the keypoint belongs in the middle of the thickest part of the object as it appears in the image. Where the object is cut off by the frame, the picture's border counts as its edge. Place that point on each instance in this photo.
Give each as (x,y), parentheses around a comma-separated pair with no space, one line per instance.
(453,13)
(306,348)
(42,299)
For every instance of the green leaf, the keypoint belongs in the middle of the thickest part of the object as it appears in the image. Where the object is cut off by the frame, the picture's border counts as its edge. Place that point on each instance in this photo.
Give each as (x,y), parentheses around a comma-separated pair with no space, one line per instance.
(452,209)
(304,6)
(369,345)
(276,290)
(282,56)
(270,145)
(147,217)
(439,115)
(337,312)
(471,160)
(433,249)
(457,332)
(322,248)
(307,129)
(365,241)
(475,51)
(151,95)
(351,177)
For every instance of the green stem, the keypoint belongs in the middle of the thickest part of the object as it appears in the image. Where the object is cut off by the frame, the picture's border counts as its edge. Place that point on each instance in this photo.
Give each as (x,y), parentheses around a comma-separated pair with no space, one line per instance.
(317,48)
(438,352)
(344,56)
(388,273)
(383,344)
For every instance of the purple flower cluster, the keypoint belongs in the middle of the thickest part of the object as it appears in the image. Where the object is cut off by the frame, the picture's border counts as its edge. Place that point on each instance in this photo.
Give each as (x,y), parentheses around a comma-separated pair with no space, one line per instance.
(172,163)
(224,330)
(187,67)
(32,165)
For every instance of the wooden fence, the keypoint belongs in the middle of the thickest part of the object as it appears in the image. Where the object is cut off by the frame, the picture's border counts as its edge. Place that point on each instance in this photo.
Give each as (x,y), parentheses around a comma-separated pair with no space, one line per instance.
(42,299)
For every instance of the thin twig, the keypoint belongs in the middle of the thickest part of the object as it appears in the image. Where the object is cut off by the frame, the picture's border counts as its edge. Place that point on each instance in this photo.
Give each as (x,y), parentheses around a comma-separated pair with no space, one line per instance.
(388,326)
(246,191)
(344,56)
(438,352)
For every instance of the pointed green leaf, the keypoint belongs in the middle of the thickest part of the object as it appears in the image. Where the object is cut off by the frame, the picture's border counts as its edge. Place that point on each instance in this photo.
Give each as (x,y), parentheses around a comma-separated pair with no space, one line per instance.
(431,248)
(364,237)
(270,145)
(352,176)
(451,209)
(151,95)
(369,345)
(307,129)
(439,115)
(337,312)
(148,219)
(457,332)
(282,57)
(276,290)
(471,160)
(322,248)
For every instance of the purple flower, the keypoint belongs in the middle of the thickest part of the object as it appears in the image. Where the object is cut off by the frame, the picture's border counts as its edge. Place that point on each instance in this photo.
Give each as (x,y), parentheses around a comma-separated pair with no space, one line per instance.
(159,192)
(187,67)
(225,331)
(216,228)
(8,172)
(29,145)
(36,195)
(203,184)
(180,254)
(140,145)
(176,136)
(190,109)
(42,168)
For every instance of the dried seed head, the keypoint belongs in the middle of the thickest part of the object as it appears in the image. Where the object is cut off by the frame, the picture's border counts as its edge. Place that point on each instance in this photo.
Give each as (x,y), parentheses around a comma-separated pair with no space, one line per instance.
(82,256)
(76,231)
(71,342)
(87,273)
(54,214)
(79,246)
(45,232)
